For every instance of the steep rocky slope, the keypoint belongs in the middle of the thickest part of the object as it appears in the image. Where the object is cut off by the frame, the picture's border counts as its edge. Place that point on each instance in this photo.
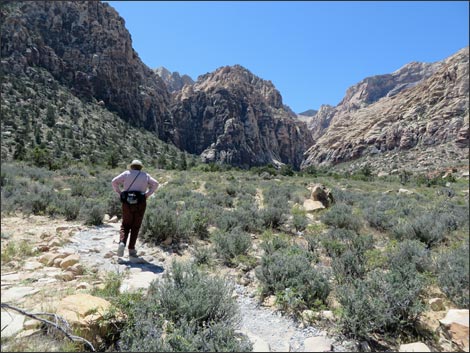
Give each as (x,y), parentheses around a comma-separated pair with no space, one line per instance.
(88,52)
(233,116)
(426,106)
(86,47)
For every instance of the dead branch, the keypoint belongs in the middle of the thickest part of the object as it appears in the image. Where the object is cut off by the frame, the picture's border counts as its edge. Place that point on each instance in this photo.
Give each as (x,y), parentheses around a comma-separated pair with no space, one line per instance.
(50,323)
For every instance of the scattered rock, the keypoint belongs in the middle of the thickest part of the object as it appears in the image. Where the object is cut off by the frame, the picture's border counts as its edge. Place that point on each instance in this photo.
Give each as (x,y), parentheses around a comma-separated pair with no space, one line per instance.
(405,191)
(85,313)
(456,327)
(318,344)
(414,347)
(114,219)
(311,205)
(437,304)
(12,323)
(323,194)
(69,261)
(17,293)
(269,301)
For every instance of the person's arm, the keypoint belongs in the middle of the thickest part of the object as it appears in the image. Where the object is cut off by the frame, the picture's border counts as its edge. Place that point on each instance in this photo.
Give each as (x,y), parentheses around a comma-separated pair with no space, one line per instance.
(153,186)
(119,180)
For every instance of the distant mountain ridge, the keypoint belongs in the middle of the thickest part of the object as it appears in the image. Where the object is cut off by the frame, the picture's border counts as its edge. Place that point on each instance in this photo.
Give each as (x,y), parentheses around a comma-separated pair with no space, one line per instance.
(226,116)
(87,49)
(416,107)
(173,80)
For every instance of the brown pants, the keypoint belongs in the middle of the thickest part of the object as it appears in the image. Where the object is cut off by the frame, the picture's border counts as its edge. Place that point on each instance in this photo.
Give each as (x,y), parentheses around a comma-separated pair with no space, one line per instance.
(132,216)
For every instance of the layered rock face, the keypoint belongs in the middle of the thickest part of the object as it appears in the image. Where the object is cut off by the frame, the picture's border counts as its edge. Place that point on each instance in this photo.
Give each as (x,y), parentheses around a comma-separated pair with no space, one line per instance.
(86,46)
(173,80)
(233,116)
(418,106)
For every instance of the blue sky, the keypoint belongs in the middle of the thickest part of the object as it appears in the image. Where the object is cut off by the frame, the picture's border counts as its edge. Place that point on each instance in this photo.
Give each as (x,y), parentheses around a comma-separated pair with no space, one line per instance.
(312,51)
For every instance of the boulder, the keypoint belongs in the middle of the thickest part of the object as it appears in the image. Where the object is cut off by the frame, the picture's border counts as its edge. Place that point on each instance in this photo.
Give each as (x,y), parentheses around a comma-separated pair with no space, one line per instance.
(318,344)
(69,261)
(311,205)
(322,194)
(12,323)
(84,313)
(437,304)
(414,347)
(456,326)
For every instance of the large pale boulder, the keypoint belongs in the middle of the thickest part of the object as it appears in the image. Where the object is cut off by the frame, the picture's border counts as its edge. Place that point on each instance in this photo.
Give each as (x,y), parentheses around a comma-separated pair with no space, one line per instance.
(456,326)
(311,205)
(318,344)
(322,194)
(85,312)
(414,347)
(69,261)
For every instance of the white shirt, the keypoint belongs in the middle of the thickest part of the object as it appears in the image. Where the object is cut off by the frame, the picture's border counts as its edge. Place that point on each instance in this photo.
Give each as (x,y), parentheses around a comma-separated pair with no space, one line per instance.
(143,183)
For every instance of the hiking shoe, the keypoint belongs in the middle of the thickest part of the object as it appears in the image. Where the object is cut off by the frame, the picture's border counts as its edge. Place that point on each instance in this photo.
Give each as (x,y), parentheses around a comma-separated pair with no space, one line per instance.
(120,251)
(132,253)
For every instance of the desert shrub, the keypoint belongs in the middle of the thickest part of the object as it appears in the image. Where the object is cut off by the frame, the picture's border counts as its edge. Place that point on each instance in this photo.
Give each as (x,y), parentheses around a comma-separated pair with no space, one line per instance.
(299,218)
(335,241)
(202,255)
(92,213)
(160,222)
(409,253)
(378,216)
(287,273)
(229,245)
(273,216)
(424,228)
(38,199)
(245,216)
(341,216)
(188,310)
(70,208)
(452,269)
(352,263)
(383,302)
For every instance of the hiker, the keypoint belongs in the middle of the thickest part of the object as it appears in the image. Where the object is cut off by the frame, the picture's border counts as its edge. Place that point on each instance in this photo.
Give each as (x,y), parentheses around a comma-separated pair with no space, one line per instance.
(137,187)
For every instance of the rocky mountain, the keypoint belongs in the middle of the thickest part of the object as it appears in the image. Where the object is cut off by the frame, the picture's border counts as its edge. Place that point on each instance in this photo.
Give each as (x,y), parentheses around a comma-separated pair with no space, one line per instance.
(173,80)
(87,51)
(86,47)
(415,108)
(235,117)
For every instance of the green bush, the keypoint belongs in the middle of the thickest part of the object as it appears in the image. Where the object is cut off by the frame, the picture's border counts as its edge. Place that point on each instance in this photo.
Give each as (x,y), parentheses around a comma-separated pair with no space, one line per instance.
(290,268)
(341,216)
(188,311)
(299,218)
(229,245)
(386,303)
(452,269)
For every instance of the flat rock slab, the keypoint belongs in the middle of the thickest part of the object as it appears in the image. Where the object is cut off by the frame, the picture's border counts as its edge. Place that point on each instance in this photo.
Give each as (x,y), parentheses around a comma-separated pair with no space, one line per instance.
(16,293)
(137,280)
(12,323)
(318,344)
(414,347)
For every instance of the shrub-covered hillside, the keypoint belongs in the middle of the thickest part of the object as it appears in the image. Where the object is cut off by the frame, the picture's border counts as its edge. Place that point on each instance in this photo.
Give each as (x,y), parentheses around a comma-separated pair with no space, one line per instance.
(373,258)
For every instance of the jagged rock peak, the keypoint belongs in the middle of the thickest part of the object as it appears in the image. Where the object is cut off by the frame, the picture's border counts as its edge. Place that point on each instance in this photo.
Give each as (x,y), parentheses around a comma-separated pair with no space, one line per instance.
(428,122)
(239,78)
(373,88)
(173,80)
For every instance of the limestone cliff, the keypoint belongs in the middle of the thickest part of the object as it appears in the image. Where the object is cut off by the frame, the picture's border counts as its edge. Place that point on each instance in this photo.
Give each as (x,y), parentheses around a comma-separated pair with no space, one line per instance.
(377,116)
(233,116)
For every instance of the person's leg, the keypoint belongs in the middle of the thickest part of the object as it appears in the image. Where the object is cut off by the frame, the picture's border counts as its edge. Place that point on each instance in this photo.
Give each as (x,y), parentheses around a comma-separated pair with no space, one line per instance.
(138,216)
(127,220)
